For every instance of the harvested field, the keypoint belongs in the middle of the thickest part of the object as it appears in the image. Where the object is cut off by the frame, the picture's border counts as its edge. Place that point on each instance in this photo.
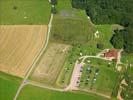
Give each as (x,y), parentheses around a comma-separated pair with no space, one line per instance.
(19,46)
(50,64)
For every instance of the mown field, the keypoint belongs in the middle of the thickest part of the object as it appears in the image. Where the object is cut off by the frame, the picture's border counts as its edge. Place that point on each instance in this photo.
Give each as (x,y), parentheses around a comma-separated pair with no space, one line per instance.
(24,12)
(44,94)
(19,45)
(70,25)
(50,64)
(8,86)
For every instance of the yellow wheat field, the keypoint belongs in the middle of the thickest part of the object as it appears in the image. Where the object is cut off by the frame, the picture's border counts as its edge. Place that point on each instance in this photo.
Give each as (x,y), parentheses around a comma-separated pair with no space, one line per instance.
(19,45)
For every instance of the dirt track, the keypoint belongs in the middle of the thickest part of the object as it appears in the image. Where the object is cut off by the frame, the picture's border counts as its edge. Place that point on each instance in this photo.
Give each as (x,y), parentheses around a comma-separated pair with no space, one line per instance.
(19,45)
(50,64)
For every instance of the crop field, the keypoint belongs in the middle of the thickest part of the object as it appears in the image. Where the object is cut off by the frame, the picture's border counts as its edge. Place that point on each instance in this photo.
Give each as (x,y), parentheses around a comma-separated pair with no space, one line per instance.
(24,12)
(8,86)
(19,46)
(44,94)
(50,64)
(105,79)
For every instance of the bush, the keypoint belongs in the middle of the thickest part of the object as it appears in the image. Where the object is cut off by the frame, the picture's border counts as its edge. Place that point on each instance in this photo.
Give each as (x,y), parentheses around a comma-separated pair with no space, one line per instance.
(117,39)
(100,46)
(53,10)
(15,7)
(54,2)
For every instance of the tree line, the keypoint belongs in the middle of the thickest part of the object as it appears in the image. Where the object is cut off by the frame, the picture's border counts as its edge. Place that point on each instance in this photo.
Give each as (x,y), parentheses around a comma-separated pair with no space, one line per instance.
(111,12)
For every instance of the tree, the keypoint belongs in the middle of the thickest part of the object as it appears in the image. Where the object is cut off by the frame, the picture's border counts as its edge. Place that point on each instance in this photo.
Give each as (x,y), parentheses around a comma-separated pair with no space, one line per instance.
(124,22)
(117,39)
(128,39)
(110,12)
(100,45)
(79,4)
(15,7)
(54,2)
(53,10)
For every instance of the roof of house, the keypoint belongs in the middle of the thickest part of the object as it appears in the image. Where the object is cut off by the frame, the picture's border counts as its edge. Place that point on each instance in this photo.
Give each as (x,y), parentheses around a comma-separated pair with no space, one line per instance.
(111,53)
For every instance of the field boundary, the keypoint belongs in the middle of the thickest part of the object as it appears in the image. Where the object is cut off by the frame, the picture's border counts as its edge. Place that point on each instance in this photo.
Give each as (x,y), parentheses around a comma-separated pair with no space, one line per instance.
(36,59)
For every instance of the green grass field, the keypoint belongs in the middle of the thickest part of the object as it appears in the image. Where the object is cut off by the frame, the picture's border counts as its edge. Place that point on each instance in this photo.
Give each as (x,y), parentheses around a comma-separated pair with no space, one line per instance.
(105,34)
(70,30)
(8,86)
(44,94)
(70,25)
(24,12)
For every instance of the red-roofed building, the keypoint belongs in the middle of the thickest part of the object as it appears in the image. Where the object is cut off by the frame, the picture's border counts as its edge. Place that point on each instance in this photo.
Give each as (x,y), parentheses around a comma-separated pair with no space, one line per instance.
(111,54)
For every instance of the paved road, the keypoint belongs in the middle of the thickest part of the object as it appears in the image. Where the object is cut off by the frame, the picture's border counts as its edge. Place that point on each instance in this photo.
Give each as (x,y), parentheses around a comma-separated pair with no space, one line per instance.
(74,78)
(35,60)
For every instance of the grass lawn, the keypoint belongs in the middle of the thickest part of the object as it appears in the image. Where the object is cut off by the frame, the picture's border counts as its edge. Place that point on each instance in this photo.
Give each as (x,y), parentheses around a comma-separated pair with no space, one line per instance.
(44,94)
(105,34)
(24,12)
(105,80)
(8,86)
(65,75)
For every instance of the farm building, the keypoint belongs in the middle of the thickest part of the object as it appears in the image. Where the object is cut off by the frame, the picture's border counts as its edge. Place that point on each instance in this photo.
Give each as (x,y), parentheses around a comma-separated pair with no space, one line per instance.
(111,54)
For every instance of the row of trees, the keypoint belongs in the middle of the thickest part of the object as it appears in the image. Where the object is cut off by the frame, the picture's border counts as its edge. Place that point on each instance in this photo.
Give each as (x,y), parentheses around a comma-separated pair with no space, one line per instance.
(123,39)
(127,90)
(53,2)
(110,12)
(53,9)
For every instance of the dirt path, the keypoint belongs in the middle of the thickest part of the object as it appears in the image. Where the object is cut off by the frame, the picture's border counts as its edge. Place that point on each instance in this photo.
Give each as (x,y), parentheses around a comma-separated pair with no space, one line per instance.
(100,94)
(36,59)
(119,60)
(88,56)
(119,56)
